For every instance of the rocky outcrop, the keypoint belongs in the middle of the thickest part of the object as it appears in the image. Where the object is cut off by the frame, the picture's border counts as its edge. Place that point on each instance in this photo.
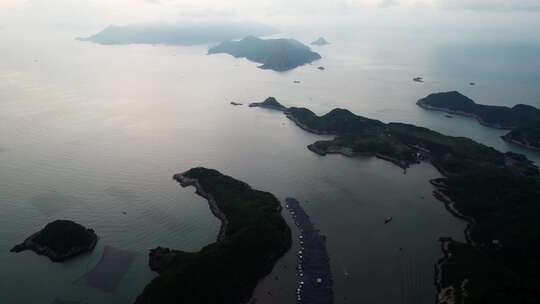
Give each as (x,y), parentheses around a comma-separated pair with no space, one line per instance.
(60,240)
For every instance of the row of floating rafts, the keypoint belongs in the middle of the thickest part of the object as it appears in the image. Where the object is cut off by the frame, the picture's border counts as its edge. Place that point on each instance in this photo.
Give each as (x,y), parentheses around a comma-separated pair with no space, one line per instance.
(300,260)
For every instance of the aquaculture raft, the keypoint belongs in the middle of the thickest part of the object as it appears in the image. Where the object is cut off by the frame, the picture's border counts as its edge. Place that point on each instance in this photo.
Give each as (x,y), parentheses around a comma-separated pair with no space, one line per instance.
(313,268)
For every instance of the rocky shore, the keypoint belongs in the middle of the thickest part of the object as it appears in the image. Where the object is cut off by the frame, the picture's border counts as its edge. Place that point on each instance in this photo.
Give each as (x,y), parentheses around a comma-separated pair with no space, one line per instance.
(253,236)
(186,182)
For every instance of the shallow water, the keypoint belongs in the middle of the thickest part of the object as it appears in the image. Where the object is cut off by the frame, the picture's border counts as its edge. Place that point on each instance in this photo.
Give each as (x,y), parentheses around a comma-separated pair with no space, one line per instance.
(94,134)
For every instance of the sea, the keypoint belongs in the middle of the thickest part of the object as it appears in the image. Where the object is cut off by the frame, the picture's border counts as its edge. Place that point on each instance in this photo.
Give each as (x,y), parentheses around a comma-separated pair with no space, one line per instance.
(94,133)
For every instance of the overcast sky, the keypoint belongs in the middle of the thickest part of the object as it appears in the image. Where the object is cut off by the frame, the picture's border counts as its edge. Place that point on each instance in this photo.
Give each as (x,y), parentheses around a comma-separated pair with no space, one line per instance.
(99,13)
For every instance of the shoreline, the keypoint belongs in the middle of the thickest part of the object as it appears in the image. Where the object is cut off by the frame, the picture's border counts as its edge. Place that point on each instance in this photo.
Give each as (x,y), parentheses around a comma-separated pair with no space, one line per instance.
(510,140)
(423,105)
(252,238)
(187,182)
(506,137)
(29,244)
(348,152)
(304,127)
(344,150)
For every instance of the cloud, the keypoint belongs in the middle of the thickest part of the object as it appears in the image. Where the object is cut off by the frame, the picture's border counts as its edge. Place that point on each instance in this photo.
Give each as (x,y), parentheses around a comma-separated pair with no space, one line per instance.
(388,3)
(491,5)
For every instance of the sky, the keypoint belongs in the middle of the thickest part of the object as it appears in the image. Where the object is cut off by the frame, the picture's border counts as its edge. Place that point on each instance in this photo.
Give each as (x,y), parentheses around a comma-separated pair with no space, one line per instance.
(503,19)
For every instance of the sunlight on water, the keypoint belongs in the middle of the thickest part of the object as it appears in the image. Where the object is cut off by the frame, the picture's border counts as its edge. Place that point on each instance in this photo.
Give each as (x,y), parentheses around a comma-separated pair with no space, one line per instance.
(94,134)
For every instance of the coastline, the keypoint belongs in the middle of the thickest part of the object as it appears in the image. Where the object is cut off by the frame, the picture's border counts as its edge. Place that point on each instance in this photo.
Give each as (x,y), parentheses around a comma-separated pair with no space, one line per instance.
(252,238)
(29,244)
(306,128)
(185,181)
(466,167)
(423,105)
(507,138)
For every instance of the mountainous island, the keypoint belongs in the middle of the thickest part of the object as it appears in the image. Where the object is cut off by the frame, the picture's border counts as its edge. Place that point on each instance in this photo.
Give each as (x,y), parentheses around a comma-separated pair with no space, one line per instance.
(268,103)
(252,238)
(522,120)
(60,240)
(179,34)
(274,54)
(320,42)
(496,193)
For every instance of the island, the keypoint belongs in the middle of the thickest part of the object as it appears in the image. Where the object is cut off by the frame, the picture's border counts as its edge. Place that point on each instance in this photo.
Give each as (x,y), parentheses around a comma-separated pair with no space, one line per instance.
(320,42)
(253,236)
(176,34)
(60,240)
(274,54)
(527,136)
(269,103)
(495,193)
(522,120)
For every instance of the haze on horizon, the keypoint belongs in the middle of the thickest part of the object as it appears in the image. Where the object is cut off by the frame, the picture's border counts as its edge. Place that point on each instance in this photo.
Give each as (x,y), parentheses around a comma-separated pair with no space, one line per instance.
(501,17)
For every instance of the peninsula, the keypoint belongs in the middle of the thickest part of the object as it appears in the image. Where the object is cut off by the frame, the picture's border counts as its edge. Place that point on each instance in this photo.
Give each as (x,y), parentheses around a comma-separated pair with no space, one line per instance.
(252,238)
(522,120)
(274,54)
(60,240)
(496,193)
(176,34)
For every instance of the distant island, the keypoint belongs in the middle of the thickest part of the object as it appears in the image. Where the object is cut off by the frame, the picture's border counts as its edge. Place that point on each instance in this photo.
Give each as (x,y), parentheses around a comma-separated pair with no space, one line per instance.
(495,193)
(253,236)
(274,54)
(320,42)
(60,240)
(522,120)
(181,34)
(269,103)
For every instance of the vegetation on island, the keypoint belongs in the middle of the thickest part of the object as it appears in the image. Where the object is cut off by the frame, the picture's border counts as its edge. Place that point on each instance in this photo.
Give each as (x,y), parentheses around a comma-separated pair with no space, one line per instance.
(497,193)
(527,136)
(60,240)
(522,120)
(274,54)
(255,237)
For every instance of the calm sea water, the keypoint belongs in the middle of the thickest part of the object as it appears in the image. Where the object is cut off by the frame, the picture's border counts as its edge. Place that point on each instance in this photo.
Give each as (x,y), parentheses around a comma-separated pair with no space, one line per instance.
(94,134)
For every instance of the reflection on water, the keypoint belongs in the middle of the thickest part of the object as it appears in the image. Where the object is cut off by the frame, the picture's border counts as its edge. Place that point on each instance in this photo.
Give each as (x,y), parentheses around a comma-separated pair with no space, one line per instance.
(94,134)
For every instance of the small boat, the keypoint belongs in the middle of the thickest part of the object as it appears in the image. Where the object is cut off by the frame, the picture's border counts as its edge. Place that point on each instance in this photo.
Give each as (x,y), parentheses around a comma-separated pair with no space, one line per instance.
(236,103)
(388,220)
